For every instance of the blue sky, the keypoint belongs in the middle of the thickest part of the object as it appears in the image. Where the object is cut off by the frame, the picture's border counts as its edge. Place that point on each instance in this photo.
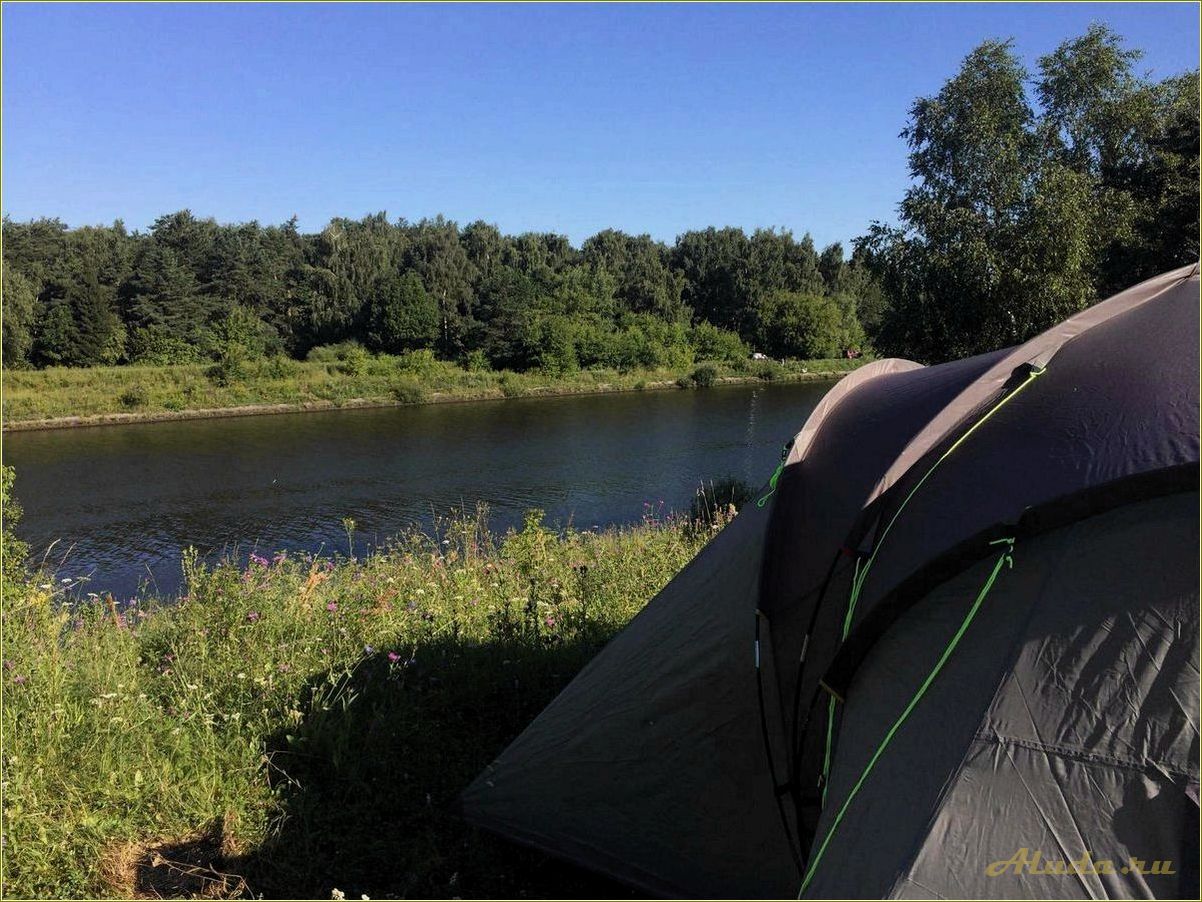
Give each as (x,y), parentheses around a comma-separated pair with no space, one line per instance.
(571,119)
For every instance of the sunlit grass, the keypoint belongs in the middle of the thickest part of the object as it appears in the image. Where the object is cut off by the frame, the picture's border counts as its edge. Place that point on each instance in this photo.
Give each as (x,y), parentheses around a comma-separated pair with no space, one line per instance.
(165,390)
(324,712)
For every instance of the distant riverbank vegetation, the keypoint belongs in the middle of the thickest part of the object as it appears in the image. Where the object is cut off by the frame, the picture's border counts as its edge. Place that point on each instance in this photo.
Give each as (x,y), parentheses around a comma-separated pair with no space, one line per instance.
(339,376)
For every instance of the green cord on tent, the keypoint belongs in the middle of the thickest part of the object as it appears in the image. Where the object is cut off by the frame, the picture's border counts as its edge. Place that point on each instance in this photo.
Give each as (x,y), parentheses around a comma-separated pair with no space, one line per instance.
(1005,559)
(857,582)
(780,467)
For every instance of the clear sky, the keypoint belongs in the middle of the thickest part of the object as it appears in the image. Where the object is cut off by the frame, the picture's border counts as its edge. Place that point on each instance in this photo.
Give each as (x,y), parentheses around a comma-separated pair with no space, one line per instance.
(574,118)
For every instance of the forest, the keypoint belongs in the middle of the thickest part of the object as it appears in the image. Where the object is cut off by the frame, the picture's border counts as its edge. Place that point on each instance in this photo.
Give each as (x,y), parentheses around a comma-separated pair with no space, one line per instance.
(1032,195)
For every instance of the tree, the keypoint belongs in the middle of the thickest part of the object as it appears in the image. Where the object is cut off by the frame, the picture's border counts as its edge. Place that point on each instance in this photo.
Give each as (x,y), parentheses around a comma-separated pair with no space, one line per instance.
(403,316)
(1021,216)
(962,272)
(19,318)
(795,324)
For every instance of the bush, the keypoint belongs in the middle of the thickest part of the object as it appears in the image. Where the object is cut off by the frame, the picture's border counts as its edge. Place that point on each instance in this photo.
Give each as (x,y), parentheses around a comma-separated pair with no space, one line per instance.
(768,370)
(134,396)
(155,346)
(476,362)
(354,362)
(277,366)
(417,362)
(175,402)
(333,353)
(711,343)
(511,385)
(705,375)
(408,391)
(230,366)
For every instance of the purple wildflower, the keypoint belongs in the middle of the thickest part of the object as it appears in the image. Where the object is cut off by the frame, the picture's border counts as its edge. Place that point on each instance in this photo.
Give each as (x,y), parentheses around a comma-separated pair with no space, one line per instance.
(260,560)
(550,621)
(9,665)
(393,657)
(332,606)
(19,680)
(368,650)
(253,616)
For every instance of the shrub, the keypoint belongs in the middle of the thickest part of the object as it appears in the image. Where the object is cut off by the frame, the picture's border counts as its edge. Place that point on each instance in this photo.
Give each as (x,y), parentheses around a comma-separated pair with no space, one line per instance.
(230,366)
(155,346)
(511,385)
(134,396)
(476,362)
(333,353)
(768,370)
(353,362)
(277,366)
(711,343)
(418,362)
(705,375)
(408,391)
(175,402)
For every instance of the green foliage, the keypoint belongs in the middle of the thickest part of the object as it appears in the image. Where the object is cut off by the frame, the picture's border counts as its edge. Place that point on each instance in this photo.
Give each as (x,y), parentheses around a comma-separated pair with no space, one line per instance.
(409,391)
(1021,216)
(705,376)
(133,397)
(403,315)
(805,326)
(20,299)
(156,346)
(13,550)
(711,343)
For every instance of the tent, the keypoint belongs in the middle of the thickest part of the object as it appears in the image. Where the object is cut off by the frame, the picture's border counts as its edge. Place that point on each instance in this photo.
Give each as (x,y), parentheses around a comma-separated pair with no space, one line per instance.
(952,651)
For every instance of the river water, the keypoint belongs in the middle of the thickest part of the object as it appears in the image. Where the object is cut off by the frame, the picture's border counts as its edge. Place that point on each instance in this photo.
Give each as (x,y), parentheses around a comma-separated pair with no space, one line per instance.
(116,504)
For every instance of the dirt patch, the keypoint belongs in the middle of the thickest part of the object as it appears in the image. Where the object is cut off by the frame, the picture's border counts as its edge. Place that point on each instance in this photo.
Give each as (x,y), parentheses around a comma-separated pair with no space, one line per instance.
(191,867)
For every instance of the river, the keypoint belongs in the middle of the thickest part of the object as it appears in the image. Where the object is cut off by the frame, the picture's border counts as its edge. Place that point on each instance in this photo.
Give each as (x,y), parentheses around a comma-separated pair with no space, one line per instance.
(116,504)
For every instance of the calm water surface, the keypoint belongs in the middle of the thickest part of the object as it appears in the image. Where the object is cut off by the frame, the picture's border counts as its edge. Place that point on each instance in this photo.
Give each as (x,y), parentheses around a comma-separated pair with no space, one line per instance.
(119,502)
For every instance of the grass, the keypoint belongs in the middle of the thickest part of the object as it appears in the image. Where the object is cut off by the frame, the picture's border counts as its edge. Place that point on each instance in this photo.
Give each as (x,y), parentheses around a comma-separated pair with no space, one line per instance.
(167,391)
(304,724)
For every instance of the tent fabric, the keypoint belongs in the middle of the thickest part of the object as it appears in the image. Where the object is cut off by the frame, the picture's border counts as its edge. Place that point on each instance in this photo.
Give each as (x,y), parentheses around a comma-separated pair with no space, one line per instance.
(1063,718)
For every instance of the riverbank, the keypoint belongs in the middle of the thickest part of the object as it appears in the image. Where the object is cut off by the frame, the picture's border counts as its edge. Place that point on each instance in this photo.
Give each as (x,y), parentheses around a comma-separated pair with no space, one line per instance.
(61,397)
(304,724)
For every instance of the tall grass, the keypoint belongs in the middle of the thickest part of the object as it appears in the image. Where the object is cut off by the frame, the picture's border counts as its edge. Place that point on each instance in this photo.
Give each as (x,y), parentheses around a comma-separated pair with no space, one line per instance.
(407,379)
(305,723)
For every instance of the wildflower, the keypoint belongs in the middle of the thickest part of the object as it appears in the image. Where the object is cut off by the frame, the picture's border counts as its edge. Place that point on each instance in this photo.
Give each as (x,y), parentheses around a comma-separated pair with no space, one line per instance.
(19,680)
(260,560)
(332,606)
(550,621)
(284,668)
(337,895)
(393,657)
(9,665)
(253,616)
(280,557)
(368,650)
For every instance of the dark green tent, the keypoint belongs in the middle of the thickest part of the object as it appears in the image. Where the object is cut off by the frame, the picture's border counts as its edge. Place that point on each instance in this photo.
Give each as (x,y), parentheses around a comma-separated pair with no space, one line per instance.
(953,654)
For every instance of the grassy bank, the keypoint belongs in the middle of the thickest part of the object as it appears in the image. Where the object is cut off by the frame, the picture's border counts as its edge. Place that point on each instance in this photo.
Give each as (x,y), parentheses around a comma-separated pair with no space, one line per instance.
(128,393)
(303,724)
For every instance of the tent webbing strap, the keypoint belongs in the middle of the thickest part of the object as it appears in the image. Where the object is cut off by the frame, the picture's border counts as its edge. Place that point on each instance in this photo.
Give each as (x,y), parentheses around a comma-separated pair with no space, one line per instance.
(861,573)
(1005,559)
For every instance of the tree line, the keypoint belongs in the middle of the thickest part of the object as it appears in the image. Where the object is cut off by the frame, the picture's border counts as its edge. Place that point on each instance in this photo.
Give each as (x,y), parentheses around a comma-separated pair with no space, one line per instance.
(190,289)
(1032,195)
